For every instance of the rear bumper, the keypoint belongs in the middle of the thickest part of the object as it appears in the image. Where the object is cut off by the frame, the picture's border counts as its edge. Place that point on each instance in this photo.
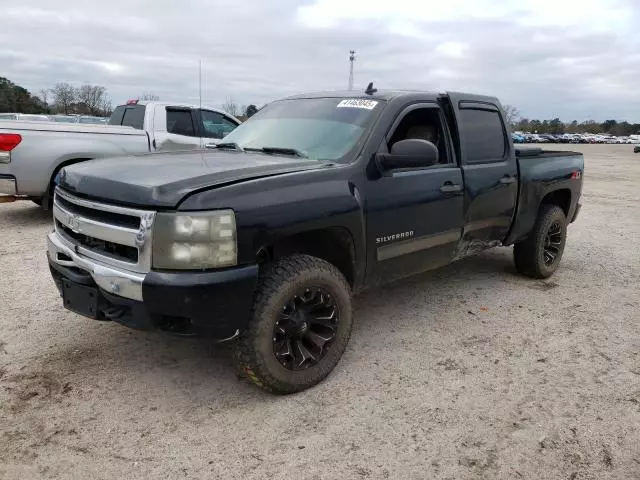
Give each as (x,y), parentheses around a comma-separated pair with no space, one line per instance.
(208,304)
(8,185)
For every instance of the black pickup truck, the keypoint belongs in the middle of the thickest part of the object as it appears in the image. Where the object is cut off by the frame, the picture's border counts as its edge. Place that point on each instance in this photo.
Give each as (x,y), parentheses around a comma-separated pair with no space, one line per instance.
(264,238)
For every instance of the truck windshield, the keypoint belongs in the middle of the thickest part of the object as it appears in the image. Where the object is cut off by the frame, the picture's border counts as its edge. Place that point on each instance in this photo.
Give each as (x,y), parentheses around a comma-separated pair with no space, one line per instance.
(314,128)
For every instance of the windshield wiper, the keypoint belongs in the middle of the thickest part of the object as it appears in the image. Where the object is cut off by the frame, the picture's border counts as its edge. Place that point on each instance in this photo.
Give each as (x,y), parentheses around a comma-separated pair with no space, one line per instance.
(231,145)
(279,151)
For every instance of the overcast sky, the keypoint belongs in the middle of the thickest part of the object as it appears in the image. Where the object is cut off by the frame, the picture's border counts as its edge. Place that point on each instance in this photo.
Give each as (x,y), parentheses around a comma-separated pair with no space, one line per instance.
(567,58)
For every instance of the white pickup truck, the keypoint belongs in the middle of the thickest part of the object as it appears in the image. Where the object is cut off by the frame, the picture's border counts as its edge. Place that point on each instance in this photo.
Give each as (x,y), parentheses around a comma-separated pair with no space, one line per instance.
(32,153)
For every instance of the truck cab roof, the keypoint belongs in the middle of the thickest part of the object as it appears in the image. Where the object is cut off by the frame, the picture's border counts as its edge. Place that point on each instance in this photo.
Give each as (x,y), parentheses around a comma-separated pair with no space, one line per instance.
(388,95)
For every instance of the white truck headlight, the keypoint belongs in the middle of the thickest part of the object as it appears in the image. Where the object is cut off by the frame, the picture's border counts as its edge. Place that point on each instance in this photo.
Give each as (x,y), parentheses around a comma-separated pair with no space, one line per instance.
(194,240)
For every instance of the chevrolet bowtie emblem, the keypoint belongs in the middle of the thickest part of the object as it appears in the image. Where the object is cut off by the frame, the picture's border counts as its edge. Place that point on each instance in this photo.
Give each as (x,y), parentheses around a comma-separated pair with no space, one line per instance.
(74,223)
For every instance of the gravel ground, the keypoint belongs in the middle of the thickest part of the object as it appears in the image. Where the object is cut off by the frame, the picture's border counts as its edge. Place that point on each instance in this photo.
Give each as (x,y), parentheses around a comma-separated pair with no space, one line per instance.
(467,372)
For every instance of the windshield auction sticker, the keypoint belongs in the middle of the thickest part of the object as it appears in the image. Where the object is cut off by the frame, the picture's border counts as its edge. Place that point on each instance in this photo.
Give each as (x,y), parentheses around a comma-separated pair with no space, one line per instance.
(358,103)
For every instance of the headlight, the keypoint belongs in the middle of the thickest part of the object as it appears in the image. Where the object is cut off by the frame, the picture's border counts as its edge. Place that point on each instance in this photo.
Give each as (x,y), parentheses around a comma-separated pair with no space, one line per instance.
(192,241)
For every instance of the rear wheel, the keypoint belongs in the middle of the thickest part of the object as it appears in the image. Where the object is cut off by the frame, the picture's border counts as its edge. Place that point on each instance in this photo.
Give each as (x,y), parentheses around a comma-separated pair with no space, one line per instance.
(539,255)
(300,327)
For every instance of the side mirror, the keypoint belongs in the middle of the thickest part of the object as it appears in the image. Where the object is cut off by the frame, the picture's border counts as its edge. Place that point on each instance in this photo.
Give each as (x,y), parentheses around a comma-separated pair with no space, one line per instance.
(410,153)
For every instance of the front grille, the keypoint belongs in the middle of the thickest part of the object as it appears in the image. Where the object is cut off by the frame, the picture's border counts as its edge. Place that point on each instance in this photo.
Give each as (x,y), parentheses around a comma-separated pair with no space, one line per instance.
(104,247)
(114,235)
(111,218)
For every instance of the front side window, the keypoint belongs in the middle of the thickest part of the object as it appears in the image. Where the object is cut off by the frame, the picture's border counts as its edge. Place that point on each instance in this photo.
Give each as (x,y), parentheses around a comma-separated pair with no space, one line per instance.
(317,128)
(180,122)
(215,125)
(483,135)
(423,124)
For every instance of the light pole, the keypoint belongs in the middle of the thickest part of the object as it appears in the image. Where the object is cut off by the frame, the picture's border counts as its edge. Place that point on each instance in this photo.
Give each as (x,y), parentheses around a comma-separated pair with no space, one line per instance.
(352,57)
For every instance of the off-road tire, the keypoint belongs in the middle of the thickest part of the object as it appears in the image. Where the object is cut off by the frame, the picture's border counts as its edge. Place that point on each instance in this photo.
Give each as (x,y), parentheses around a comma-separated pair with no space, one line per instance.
(529,254)
(253,351)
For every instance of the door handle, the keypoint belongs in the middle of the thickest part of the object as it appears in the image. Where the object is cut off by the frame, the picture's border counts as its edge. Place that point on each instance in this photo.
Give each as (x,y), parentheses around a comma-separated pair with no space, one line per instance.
(507,179)
(450,187)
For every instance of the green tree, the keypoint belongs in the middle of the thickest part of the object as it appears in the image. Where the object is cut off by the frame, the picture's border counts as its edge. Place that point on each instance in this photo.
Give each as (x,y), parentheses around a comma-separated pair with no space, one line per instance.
(250,111)
(591,126)
(556,126)
(573,127)
(544,128)
(608,125)
(16,99)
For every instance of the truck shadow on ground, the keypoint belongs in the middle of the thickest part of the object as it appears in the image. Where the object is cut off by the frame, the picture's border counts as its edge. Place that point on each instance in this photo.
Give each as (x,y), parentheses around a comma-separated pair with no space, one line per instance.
(24,213)
(111,358)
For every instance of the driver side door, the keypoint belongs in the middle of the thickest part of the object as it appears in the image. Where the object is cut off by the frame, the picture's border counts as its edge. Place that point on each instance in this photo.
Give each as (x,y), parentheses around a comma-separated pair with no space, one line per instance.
(414,216)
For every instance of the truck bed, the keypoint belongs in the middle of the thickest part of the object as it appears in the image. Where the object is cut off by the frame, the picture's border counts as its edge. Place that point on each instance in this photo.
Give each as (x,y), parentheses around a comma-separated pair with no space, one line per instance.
(21,125)
(540,153)
(541,172)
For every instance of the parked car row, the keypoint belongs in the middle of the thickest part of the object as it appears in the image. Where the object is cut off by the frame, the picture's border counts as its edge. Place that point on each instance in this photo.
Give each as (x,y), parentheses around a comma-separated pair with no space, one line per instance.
(86,119)
(521,137)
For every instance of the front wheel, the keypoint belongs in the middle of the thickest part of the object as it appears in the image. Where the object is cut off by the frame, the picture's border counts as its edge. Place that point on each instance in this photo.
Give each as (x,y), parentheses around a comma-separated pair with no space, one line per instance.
(300,326)
(538,256)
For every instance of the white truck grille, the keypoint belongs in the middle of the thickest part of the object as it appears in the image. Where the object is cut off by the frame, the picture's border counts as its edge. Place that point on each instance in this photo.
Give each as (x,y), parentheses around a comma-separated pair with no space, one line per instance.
(110,234)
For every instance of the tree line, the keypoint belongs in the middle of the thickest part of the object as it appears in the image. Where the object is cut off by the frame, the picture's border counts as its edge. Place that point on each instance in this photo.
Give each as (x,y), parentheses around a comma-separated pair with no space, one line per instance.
(63,98)
(241,112)
(557,126)
(88,99)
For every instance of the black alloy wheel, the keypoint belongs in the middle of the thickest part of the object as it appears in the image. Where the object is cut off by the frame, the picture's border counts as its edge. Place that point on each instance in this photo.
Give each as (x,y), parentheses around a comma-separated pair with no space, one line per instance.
(306,329)
(299,327)
(539,254)
(552,243)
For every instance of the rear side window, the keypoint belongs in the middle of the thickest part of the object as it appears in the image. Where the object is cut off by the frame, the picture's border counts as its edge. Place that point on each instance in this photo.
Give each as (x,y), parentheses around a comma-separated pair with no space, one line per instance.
(128,116)
(180,122)
(116,116)
(483,135)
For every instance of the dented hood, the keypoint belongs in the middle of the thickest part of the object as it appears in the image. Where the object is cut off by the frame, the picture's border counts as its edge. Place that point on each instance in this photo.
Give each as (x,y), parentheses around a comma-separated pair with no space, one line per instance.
(162,180)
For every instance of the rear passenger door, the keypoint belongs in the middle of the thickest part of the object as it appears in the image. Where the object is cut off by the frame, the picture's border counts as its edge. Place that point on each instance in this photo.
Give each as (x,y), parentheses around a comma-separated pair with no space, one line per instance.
(490,173)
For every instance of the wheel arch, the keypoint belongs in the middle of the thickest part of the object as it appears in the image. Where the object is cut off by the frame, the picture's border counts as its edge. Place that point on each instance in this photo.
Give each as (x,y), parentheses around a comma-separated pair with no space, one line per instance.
(48,194)
(560,197)
(333,244)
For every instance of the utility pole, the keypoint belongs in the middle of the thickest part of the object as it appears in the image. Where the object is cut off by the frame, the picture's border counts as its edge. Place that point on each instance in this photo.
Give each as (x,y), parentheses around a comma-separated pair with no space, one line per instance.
(352,57)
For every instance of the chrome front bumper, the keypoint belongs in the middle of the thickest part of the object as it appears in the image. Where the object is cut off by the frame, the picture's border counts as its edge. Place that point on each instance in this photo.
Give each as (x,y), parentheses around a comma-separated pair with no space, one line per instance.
(117,282)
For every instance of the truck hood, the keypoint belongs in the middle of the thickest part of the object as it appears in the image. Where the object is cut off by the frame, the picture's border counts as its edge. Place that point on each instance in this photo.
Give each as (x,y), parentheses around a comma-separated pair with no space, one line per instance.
(162,180)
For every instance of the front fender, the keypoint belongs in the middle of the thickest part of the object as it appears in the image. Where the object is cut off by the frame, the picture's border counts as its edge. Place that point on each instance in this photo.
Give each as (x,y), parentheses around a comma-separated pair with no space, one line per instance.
(267,212)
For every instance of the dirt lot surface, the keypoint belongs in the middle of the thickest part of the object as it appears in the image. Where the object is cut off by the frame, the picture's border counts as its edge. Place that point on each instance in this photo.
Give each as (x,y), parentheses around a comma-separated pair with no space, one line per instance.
(467,372)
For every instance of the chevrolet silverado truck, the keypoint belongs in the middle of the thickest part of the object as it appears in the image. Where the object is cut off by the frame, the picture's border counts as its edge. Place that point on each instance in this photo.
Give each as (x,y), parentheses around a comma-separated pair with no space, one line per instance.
(264,239)
(32,153)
